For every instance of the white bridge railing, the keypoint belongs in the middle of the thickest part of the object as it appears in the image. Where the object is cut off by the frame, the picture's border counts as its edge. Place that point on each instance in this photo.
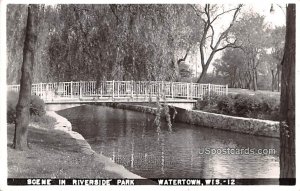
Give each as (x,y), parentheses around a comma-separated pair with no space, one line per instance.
(114,89)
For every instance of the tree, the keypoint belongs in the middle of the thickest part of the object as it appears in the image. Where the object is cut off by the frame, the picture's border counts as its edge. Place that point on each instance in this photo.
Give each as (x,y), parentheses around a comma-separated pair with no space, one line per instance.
(251,36)
(277,46)
(22,109)
(233,67)
(208,16)
(16,22)
(287,100)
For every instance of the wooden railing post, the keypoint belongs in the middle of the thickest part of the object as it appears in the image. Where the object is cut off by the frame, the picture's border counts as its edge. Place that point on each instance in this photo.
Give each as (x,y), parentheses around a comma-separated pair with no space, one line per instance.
(40,90)
(191,90)
(158,86)
(163,89)
(46,92)
(113,89)
(118,88)
(172,90)
(187,91)
(209,90)
(71,89)
(80,90)
(146,90)
(132,89)
(226,91)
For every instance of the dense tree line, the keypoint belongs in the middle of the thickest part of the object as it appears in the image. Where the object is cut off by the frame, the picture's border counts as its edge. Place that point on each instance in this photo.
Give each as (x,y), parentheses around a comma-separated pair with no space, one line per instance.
(104,42)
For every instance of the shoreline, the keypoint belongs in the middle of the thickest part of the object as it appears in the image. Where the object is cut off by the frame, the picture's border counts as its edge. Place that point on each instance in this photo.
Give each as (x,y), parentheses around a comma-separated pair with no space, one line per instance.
(250,126)
(62,124)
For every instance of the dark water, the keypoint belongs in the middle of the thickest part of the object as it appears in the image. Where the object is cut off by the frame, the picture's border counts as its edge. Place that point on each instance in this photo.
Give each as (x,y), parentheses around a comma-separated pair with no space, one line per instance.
(131,139)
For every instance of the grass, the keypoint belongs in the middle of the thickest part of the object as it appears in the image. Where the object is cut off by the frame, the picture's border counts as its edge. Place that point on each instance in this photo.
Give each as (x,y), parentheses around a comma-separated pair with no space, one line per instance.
(52,154)
(45,121)
(251,92)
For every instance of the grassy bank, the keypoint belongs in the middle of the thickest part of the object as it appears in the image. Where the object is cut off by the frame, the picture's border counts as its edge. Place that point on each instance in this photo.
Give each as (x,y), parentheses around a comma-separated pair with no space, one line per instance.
(52,154)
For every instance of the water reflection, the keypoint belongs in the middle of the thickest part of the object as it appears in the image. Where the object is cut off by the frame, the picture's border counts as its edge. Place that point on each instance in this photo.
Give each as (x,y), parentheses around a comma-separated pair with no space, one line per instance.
(130,138)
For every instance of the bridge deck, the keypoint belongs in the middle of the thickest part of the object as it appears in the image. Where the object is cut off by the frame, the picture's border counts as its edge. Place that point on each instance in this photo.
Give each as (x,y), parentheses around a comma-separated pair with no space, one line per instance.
(116,100)
(122,91)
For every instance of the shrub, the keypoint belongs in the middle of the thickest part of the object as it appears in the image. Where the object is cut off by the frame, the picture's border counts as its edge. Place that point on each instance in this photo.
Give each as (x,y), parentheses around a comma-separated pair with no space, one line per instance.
(12,100)
(269,104)
(247,105)
(270,108)
(226,104)
(37,106)
(208,101)
(254,106)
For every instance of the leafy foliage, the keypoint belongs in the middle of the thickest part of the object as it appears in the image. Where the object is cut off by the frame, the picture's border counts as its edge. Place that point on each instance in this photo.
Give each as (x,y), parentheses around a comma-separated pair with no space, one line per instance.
(254,106)
(208,101)
(12,100)
(104,42)
(37,106)
(246,105)
(225,104)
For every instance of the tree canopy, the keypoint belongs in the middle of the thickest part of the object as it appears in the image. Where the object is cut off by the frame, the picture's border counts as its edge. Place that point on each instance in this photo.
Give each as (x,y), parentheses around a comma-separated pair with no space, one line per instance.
(144,42)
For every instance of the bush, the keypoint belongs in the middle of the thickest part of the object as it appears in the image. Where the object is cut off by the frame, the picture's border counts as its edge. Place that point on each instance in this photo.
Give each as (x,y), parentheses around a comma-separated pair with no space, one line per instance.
(270,108)
(12,100)
(37,106)
(269,104)
(256,106)
(247,105)
(208,101)
(226,104)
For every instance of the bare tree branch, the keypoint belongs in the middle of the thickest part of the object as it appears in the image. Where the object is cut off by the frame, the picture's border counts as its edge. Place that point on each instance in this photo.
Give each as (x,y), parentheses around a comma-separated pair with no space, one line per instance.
(185,56)
(212,39)
(223,14)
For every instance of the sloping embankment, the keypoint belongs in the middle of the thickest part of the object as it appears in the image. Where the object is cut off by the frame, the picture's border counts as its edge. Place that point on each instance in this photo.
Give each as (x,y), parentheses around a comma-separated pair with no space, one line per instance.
(64,125)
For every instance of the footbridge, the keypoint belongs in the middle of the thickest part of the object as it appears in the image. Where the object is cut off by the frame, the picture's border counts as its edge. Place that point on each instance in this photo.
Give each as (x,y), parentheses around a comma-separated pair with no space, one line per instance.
(86,92)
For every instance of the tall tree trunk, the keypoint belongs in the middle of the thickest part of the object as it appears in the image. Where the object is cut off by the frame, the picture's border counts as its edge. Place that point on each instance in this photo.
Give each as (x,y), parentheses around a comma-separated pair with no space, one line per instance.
(278,77)
(203,74)
(273,80)
(254,79)
(287,101)
(22,110)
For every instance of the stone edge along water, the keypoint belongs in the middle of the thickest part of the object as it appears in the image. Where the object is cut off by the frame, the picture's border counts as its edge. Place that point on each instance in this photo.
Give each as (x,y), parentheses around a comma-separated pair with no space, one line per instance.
(244,125)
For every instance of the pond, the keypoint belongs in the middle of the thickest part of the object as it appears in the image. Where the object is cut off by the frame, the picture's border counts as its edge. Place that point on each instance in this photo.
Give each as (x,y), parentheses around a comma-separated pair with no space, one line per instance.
(130,138)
